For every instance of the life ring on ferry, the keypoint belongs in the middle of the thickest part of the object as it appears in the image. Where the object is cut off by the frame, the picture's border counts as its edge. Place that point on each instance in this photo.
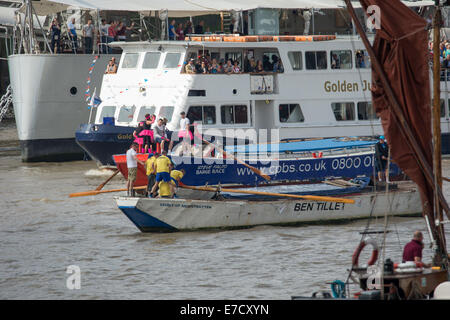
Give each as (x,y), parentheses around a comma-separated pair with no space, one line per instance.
(360,248)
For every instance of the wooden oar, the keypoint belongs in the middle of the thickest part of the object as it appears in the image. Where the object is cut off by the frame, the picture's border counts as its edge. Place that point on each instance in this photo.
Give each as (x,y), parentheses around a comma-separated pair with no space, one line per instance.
(100,187)
(446,179)
(255,170)
(95,192)
(316,198)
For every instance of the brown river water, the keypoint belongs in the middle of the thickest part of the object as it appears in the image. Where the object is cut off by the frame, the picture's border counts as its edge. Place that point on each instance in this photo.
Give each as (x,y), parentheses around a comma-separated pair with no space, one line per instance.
(43,231)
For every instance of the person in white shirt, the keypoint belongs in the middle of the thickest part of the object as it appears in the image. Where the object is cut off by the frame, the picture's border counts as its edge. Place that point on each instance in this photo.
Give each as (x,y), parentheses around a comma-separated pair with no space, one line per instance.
(159,132)
(132,162)
(184,132)
(88,34)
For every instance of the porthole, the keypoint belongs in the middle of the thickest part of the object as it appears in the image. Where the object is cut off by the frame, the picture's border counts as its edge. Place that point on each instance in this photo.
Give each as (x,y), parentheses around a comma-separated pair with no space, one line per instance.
(73,91)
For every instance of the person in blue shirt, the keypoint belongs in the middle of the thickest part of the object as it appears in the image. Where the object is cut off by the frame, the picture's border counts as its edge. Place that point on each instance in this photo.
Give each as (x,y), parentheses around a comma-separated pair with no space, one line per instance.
(73,34)
(172,33)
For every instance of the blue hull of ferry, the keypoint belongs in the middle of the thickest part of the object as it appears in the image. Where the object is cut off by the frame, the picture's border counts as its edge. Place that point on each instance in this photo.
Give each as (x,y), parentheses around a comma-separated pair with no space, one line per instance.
(101,141)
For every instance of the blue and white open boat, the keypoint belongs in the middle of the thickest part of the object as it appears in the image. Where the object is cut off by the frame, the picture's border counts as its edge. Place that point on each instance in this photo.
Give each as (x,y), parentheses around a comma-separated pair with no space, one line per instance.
(167,215)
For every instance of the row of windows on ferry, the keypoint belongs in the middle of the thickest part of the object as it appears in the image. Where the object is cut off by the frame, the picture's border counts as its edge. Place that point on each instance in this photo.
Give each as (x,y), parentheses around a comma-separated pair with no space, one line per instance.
(299,60)
(239,114)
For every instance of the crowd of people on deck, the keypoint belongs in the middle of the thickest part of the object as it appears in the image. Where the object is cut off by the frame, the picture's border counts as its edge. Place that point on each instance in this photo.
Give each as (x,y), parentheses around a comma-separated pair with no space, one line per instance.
(179,31)
(115,30)
(444,58)
(152,137)
(205,65)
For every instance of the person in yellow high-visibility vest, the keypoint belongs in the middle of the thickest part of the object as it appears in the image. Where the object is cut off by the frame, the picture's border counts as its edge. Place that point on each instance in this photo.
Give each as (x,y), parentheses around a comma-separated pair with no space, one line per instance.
(162,166)
(151,172)
(164,189)
(175,177)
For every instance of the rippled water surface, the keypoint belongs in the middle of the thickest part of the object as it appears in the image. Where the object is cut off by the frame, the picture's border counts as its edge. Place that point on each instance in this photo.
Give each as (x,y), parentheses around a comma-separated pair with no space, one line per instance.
(42,232)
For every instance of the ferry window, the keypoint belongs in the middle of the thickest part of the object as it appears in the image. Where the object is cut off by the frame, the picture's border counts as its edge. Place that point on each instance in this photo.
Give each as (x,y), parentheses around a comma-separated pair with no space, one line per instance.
(269,59)
(204,114)
(341,59)
(343,111)
(366,111)
(234,56)
(151,60)
(295,57)
(209,115)
(316,60)
(196,93)
(215,55)
(362,59)
(130,60)
(126,114)
(143,111)
(291,113)
(195,114)
(172,60)
(448,107)
(190,55)
(442,107)
(166,112)
(234,114)
(107,111)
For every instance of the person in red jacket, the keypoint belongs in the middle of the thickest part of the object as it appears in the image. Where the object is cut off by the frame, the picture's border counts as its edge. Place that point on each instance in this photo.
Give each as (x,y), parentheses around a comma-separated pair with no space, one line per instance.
(413,249)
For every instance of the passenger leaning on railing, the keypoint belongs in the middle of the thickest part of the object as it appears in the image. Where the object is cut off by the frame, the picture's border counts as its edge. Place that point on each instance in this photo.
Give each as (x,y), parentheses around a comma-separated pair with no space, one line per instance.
(173,35)
(190,67)
(112,66)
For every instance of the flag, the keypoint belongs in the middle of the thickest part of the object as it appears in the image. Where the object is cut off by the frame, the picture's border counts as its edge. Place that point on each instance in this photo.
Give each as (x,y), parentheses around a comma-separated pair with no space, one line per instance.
(95,100)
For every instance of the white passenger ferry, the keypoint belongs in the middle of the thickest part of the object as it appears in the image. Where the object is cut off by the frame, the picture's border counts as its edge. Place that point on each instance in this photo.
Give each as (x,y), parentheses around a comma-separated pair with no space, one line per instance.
(324,90)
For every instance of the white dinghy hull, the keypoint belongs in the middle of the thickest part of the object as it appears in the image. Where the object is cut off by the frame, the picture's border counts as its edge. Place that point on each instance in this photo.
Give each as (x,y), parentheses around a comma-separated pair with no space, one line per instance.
(167,215)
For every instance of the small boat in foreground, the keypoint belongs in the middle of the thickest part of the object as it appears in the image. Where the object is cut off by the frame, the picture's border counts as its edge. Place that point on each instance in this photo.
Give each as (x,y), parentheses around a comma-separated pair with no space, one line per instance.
(168,215)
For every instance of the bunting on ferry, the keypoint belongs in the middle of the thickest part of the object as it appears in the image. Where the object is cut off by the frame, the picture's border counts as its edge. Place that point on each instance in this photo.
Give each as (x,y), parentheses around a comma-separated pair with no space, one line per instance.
(87,95)
(400,46)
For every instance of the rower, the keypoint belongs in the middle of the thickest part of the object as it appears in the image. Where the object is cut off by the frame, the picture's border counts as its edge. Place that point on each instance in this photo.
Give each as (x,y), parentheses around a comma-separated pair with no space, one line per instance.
(175,177)
(150,171)
(164,190)
(162,165)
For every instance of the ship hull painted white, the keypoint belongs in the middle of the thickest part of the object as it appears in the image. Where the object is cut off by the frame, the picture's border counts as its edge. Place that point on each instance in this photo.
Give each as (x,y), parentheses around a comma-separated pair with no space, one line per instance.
(156,215)
(47,113)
